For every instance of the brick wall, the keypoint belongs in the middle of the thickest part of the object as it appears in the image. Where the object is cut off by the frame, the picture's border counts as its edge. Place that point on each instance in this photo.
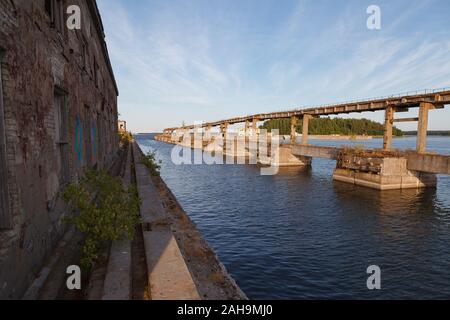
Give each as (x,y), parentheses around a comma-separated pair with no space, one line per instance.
(38,59)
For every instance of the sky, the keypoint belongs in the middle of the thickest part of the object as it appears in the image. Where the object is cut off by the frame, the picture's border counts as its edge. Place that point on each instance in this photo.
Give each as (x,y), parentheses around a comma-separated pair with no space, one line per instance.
(205,60)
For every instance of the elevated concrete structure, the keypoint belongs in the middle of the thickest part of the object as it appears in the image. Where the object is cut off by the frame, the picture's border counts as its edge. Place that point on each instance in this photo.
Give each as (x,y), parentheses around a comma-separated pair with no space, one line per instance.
(400,103)
(380,170)
(430,163)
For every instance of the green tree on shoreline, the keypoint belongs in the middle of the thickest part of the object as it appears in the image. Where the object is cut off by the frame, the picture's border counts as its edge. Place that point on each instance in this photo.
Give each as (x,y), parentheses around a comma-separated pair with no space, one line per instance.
(328,126)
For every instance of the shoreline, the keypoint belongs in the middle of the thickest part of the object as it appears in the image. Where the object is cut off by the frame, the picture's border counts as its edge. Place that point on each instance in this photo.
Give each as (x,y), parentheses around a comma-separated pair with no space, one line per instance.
(210,275)
(335,137)
(212,280)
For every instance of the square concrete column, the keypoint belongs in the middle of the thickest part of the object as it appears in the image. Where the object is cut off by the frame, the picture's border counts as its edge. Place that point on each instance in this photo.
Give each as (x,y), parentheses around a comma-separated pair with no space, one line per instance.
(388,125)
(255,126)
(224,130)
(208,132)
(247,127)
(423,126)
(294,124)
(305,132)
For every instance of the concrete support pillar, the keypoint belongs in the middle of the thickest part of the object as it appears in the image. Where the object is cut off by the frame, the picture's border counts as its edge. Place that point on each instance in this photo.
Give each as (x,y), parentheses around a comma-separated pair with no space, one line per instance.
(223,131)
(305,132)
(207,133)
(423,126)
(190,134)
(388,125)
(255,126)
(294,123)
(247,127)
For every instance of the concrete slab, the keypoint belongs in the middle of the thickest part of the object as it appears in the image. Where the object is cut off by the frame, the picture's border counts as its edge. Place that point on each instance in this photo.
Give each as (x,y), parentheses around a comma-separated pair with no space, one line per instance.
(168,274)
(152,209)
(117,284)
(430,163)
(285,158)
(34,290)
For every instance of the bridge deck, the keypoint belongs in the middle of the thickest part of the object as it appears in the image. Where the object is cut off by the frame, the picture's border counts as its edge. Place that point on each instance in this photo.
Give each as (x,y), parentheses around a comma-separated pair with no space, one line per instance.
(437,97)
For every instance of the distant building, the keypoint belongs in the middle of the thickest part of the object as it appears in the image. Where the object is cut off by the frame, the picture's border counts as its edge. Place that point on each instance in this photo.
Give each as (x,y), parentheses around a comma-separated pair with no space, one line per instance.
(122,126)
(58,116)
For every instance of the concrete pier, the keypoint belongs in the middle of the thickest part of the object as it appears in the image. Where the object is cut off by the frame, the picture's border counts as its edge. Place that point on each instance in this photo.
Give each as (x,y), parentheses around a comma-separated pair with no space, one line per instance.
(381,173)
(379,169)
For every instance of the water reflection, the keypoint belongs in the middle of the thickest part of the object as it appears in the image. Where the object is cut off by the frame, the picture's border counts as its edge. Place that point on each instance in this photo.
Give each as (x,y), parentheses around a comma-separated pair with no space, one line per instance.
(388,202)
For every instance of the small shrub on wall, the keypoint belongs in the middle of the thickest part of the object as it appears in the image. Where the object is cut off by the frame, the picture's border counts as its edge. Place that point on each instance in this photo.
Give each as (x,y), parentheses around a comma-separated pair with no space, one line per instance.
(125,137)
(149,160)
(105,211)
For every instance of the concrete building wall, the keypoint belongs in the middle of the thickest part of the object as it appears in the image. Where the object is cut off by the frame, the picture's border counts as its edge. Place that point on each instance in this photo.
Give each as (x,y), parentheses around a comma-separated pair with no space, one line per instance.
(122,126)
(59,105)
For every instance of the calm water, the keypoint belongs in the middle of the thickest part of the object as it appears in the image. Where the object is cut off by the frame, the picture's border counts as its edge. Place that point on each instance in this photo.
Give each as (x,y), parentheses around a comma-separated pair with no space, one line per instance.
(299,235)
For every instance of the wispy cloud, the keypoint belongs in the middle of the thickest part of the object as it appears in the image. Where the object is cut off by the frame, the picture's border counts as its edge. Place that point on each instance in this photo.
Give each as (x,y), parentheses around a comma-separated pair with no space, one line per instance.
(180,60)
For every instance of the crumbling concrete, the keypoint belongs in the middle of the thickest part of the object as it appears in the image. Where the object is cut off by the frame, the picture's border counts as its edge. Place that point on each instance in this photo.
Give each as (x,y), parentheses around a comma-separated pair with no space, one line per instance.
(381,173)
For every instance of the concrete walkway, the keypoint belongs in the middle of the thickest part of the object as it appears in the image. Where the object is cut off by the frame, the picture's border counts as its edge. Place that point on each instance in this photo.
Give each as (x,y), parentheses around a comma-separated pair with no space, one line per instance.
(169,276)
(117,285)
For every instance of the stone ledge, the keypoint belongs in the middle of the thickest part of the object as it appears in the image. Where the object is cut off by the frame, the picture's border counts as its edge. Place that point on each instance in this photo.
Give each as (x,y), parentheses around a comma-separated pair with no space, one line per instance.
(168,275)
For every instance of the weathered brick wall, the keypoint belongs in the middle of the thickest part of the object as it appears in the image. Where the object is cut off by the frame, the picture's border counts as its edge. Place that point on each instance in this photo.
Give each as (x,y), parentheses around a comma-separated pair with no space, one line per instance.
(37,58)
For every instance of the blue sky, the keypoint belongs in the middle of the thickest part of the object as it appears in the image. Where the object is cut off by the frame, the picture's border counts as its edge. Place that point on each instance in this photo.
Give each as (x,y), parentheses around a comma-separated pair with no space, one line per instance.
(203,60)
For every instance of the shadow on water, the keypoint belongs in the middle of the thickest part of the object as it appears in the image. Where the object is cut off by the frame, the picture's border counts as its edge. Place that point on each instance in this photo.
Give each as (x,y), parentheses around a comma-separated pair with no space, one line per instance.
(303,172)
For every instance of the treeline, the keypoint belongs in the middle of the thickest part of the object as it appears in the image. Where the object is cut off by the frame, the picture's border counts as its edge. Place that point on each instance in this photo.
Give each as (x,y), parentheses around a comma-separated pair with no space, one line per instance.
(430,133)
(328,126)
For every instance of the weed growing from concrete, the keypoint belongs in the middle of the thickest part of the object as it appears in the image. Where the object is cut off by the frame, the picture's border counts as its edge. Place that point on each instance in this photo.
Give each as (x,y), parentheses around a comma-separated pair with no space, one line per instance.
(125,137)
(105,211)
(149,160)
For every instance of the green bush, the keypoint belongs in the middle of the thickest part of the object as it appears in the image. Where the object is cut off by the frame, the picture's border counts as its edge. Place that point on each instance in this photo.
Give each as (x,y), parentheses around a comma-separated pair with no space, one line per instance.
(105,211)
(125,137)
(149,160)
